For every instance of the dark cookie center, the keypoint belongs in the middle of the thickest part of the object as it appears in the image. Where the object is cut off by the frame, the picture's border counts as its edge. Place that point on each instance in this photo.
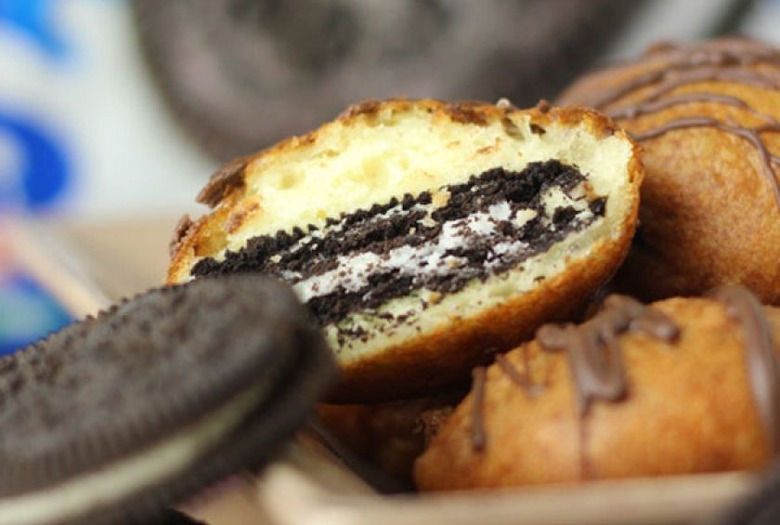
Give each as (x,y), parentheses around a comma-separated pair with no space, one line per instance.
(437,241)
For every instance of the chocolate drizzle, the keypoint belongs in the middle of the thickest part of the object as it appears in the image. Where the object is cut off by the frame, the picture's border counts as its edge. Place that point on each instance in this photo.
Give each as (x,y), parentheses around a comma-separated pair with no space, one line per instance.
(593,350)
(654,105)
(478,439)
(752,135)
(522,379)
(742,62)
(594,355)
(761,360)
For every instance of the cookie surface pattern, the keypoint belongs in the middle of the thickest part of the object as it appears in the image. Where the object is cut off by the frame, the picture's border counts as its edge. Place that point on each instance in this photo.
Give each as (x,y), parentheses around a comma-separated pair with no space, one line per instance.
(137,404)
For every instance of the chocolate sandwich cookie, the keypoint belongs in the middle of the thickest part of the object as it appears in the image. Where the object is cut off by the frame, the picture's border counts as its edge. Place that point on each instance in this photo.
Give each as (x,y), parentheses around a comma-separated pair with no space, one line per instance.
(425,235)
(242,74)
(115,417)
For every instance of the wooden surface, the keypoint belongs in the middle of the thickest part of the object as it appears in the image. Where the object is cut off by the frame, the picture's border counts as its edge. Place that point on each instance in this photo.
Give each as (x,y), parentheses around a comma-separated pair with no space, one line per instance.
(122,257)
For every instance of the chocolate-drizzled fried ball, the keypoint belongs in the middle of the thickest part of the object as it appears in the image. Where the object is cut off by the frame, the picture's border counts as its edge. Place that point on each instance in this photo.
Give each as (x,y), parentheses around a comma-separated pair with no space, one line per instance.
(708,118)
(683,386)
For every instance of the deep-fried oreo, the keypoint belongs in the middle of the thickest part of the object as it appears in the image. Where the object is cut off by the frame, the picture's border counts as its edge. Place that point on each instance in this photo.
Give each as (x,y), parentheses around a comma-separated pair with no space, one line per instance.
(115,417)
(425,235)
(685,386)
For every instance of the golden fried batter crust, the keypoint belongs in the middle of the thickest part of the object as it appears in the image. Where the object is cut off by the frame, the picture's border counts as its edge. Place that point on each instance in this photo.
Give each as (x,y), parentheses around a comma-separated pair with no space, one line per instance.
(689,407)
(707,117)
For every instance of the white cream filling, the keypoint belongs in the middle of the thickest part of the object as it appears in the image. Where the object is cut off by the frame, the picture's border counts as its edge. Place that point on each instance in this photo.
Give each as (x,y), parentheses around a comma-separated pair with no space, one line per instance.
(352,272)
(112,483)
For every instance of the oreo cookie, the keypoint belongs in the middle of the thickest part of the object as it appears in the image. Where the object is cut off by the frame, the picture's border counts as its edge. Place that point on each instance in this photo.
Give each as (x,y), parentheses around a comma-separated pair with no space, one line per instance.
(243,74)
(116,417)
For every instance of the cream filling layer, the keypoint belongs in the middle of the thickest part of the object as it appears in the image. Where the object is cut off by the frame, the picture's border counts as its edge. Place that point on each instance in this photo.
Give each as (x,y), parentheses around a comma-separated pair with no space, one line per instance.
(113,482)
(352,272)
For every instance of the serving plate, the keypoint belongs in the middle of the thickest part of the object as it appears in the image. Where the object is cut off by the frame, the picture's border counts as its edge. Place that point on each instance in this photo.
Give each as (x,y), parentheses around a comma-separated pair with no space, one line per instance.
(297,491)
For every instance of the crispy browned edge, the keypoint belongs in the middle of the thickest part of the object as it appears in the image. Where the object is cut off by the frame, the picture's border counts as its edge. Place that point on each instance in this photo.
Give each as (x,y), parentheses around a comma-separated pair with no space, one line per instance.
(446,354)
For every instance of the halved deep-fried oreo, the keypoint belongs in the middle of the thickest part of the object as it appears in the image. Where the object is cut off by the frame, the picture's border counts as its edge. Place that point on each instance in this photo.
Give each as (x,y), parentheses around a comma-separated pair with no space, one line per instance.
(113,418)
(424,235)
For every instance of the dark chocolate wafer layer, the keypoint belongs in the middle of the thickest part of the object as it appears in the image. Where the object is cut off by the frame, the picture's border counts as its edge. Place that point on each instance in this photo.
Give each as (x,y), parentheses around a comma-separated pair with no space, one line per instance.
(437,240)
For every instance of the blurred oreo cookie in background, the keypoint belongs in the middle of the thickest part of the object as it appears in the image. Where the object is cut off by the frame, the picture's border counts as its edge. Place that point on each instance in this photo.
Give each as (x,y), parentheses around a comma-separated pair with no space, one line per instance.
(242,74)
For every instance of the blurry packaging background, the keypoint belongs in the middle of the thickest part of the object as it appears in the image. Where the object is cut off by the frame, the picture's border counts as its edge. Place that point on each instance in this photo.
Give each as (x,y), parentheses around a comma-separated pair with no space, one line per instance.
(120,110)
(82,130)
(111,107)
